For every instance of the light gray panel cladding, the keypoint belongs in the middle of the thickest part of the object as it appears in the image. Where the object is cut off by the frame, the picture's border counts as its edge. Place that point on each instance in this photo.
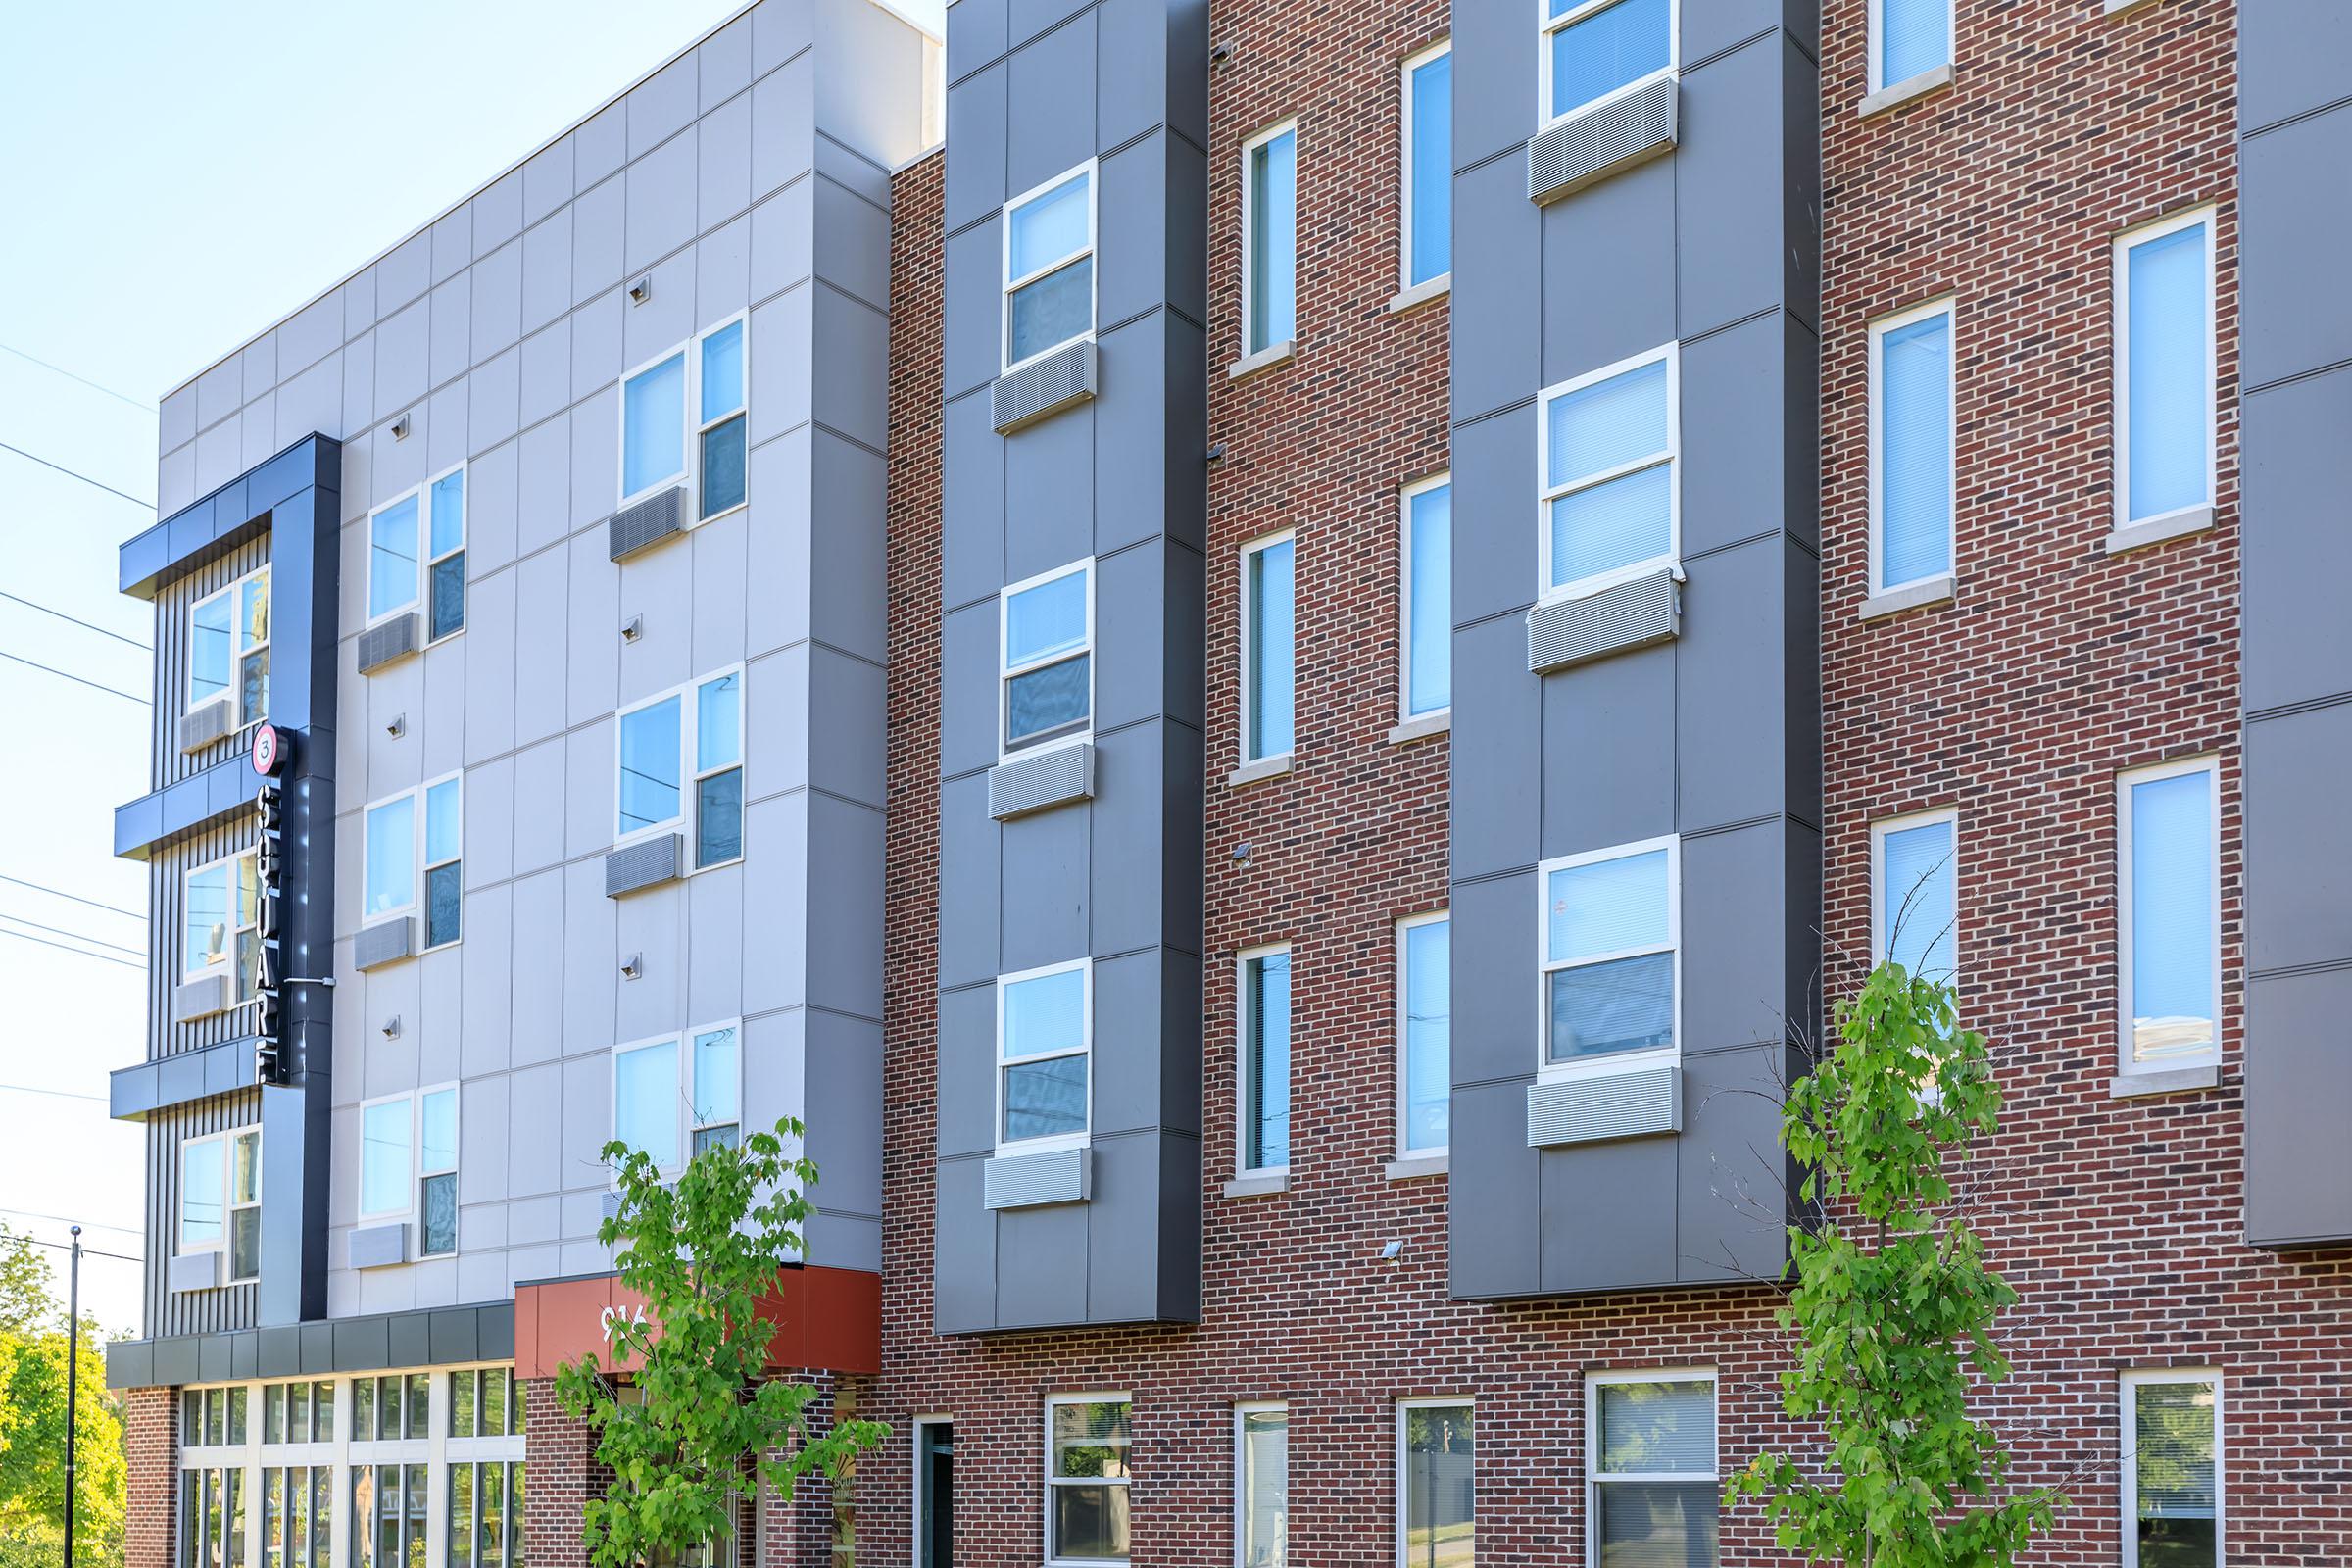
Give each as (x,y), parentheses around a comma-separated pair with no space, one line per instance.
(644,863)
(1044,386)
(203,727)
(1599,141)
(192,1000)
(195,1271)
(377,1245)
(1025,1181)
(1041,779)
(385,942)
(647,522)
(387,641)
(1630,614)
(1624,1104)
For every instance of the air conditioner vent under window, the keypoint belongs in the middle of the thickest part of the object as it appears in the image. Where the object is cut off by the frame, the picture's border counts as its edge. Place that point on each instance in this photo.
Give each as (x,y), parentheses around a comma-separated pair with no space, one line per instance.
(1597,142)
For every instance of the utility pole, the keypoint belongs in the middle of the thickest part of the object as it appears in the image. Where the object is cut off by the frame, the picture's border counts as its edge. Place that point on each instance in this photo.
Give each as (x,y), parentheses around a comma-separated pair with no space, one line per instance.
(73,1382)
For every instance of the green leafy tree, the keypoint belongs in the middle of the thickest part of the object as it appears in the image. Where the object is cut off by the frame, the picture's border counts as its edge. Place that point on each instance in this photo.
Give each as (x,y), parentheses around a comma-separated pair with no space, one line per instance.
(702,1249)
(1893,1306)
(32,1426)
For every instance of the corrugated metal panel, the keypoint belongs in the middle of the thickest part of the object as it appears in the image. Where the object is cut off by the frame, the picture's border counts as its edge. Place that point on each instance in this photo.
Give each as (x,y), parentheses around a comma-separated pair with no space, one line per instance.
(167,897)
(1600,141)
(189,1311)
(1031,783)
(174,609)
(1625,1105)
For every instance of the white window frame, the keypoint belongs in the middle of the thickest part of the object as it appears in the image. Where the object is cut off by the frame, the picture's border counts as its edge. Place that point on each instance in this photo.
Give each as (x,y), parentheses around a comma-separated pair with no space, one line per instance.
(689,775)
(1400,1457)
(426,865)
(227,965)
(1007,671)
(226,1152)
(419,602)
(1878,890)
(1547,25)
(457,1133)
(1874,64)
(1249,649)
(1949,306)
(1623,1061)
(1242,1410)
(2127,1387)
(694,425)
(414,906)
(1672,460)
(1011,284)
(682,1085)
(1050,1141)
(1052,1402)
(1249,285)
(1594,1479)
(234,696)
(2126,1062)
(689,1065)
(1244,1105)
(1404,601)
(1404,1147)
(2121,401)
(408,1214)
(1436,282)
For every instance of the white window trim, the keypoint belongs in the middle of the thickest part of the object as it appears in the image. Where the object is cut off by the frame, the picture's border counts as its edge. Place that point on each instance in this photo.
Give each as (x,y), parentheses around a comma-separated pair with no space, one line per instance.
(1247,647)
(682,1085)
(1404,601)
(417,602)
(1249,349)
(1946,306)
(1623,1061)
(234,592)
(1671,457)
(2127,1063)
(2121,400)
(426,866)
(1053,1402)
(689,775)
(1007,671)
(1874,64)
(417,865)
(1546,26)
(225,1142)
(1399,1458)
(919,1501)
(1086,1034)
(409,1214)
(694,425)
(457,1111)
(1879,832)
(1244,1107)
(1436,282)
(688,1064)
(2127,1387)
(1596,1478)
(1241,1469)
(1094,199)
(1404,1149)
(226,964)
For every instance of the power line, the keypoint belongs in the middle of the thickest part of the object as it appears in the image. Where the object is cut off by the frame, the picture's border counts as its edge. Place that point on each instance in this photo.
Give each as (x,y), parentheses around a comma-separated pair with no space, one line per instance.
(61,931)
(31,604)
(43,887)
(94,685)
(87,1252)
(62,1094)
(66,1220)
(83,952)
(147,407)
(72,474)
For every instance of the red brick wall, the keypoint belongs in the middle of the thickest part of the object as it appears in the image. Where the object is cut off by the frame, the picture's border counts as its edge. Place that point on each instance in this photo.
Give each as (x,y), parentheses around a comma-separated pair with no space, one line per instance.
(151,1455)
(563,1474)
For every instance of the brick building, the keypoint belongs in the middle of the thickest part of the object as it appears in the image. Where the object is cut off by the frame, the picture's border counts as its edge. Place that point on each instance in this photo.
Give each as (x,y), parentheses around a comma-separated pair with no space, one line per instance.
(1933,411)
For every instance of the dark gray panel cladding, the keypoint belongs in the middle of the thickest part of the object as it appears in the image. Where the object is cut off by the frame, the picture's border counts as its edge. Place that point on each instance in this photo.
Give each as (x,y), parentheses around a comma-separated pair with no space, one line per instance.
(2296,114)
(438,1336)
(1114,874)
(1711,736)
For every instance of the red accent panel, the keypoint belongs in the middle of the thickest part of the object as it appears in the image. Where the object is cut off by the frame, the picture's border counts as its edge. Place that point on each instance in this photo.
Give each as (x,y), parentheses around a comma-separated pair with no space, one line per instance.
(828,1319)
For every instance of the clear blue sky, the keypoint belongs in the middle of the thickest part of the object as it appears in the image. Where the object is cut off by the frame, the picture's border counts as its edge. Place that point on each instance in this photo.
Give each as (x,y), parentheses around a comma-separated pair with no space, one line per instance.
(156,153)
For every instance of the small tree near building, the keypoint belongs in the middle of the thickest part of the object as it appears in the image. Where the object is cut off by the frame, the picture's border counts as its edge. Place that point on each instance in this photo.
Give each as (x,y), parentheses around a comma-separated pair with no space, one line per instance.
(702,1249)
(33,1342)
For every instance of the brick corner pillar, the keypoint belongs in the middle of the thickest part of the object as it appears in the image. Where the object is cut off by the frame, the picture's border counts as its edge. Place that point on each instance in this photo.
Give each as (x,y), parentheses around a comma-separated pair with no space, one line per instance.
(817,1526)
(563,1475)
(151,1455)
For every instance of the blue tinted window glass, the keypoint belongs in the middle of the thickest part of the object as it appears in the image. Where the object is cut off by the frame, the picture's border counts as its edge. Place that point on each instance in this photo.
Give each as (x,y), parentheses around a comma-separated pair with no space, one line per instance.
(1046,619)
(653,425)
(645,1100)
(2173,931)
(1050,226)
(391,882)
(1915,451)
(2171,392)
(449,512)
(1428,1035)
(1432,111)
(1917,899)
(1593,58)
(722,371)
(1429,614)
(649,765)
(1273,241)
(1914,36)
(392,559)
(1268,984)
(1271,652)
(441,821)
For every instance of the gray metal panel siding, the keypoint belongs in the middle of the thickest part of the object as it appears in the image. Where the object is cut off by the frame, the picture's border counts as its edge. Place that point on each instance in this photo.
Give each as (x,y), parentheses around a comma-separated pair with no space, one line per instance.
(175,609)
(230,1306)
(167,897)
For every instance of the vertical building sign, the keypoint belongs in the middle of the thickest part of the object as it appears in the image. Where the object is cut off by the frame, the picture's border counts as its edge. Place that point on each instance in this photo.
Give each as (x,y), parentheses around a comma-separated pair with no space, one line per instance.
(268,758)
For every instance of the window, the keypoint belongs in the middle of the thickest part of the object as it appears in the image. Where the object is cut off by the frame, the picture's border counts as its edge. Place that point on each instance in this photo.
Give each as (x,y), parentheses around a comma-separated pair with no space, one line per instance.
(297,1516)
(1044,1031)
(399,838)
(2172,1470)
(1908,38)
(221,1199)
(1047,633)
(645,1100)
(1424,1035)
(717,1088)
(211,1417)
(670,1119)
(1267,648)
(298,1412)
(1437,1514)
(1261,1500)
(385,1157)
(1650,1443)
(417,553)
(1609,490)
(2168,871)
(2164,368)
(211,1510)
(1269,239)
(693,733)
(388,1510)
(221,917)
(228,649)
(409,1164)
(682,421)
(1428,163)
(1611,927)
(1265,1059)
(1428,639)
(1914,868)
(437,1170)
(1595,49)
(1086,1478)
(1049,266)
(1911,439)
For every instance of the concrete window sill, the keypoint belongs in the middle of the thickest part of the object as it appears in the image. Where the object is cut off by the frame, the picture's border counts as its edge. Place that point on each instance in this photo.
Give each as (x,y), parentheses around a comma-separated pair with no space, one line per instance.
(1421,726)
(1420,1165)
(1436,287)
(1265,359)
(1264,768)
(2116,8)
(1905,91)
(1936,590)
(1259,1184)
(2156,530)
(2178,1081)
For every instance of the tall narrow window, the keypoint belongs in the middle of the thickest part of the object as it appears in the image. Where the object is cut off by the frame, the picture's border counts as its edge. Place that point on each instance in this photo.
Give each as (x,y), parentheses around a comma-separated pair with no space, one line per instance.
(2172,1470)
(1261,1468)
(720,423)
(1267,648)
(1650,1463)
(645,1100)
(1428,597)
(1911,474)
(1908,38)
(1428,162)
(444,869)
(1269,239)
(390,885)
(445,561)
(1423,1035)
(392,558)
(1049,266)
(1594,49)
(1045,1028)
(2170,899)
(386,1160)
(1265,996)
(1609,490)
(437,1171)
(682,421)
(717,1088)
(1086,1479)
(416,555)
(228,649)
(1048,630)
(686,746)
(1915,915)
(718,770)
(1437,1501)
(2164,371)
(1611,927)
(219,1200)
(653,426)
(221,931)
